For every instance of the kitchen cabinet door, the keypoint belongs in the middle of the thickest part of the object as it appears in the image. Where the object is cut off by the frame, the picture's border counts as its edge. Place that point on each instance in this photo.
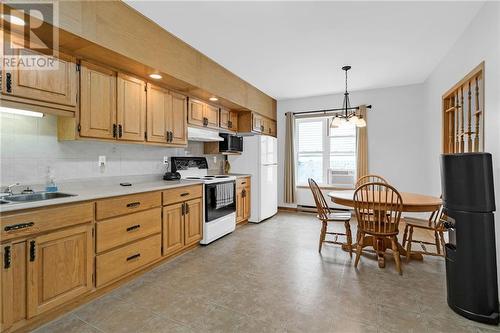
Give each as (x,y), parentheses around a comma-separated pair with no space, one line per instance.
(196,113)
(246,203)
(131,106)
(57,86)
(173,228)
(158,112)
(257,123)
(60,268)
(239,205)
(233,121)
(211,116)
(179,119)
(224,119)
(273,130)
(193,228)
(12,284)
(98,102)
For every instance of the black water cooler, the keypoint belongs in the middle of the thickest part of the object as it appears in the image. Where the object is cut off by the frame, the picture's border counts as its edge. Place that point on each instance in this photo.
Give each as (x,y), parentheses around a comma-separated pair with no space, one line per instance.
(471,268)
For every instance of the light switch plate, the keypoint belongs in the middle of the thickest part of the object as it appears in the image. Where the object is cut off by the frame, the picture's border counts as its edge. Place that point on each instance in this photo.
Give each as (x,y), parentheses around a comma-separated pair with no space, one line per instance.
(102,160)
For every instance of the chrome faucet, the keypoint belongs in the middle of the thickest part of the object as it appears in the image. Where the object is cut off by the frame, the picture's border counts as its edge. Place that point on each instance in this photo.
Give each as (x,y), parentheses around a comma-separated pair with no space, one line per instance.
(8,189)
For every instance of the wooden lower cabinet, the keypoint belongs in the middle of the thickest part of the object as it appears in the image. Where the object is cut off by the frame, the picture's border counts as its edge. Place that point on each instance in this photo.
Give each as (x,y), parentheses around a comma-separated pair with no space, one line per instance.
(116,264)
(60,267)
(13,284)
(242,199)
(173,228)
(193,221)
(182,225)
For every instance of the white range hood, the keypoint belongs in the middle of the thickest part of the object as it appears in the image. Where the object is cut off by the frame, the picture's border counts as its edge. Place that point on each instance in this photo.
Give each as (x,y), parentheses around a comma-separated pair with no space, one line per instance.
(202,134)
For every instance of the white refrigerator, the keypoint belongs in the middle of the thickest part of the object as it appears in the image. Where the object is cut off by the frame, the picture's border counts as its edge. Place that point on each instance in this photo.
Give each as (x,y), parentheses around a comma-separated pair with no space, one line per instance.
(260,160)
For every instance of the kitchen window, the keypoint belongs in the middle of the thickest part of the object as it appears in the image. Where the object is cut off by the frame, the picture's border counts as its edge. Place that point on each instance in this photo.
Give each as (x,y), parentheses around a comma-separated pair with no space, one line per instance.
(329,160)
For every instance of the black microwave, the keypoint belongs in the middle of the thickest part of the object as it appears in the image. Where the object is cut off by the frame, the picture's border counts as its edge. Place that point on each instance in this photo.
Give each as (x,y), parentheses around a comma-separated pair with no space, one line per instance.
(231,143)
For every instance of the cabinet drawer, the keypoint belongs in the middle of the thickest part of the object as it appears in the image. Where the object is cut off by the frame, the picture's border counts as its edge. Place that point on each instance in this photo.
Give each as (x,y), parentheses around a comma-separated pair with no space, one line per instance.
(182,194)
(121,230)
(243,182)
(45,219)
(127,204)
(117,263)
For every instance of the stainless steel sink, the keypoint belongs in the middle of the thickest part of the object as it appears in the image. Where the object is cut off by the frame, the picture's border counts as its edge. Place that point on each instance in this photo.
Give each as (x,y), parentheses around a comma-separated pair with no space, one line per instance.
(36,196)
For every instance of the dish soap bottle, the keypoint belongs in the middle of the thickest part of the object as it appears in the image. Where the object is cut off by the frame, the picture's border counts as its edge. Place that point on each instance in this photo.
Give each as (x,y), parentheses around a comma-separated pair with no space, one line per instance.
(51,183)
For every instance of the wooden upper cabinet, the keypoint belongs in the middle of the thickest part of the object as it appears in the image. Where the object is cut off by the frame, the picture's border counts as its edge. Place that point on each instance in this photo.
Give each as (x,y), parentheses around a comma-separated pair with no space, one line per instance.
(212,116)
(257,123)
(12,284)
(60,268)
(224,119)
(166,116)
(56,87)
(196,114)
(233,121)
(131,108)
(179,119)
(193,221)
(98,101)
(158,111)
(203,114)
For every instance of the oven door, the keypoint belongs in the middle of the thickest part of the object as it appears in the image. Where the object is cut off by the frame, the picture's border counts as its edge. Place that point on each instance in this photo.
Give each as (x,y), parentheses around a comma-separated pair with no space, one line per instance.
(219,200)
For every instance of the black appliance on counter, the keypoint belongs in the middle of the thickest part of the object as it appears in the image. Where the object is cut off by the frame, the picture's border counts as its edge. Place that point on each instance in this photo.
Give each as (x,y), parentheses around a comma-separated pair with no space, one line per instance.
(471,267)
(231,143)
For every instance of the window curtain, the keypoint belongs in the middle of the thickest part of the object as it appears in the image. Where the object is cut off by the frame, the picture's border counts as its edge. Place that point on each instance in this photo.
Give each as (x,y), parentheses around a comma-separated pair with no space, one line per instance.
(289,159)
(362,146)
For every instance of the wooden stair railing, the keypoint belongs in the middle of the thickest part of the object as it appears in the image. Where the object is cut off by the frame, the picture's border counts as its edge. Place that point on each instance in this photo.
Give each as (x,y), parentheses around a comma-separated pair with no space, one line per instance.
(463,121)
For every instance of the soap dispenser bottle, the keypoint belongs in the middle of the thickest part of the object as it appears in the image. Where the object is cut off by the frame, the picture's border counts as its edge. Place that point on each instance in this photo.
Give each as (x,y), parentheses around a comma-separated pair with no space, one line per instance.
(51,183)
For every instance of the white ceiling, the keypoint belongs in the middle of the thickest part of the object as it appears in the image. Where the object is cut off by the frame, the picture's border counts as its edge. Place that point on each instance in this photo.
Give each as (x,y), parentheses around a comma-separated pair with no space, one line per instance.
(296,49)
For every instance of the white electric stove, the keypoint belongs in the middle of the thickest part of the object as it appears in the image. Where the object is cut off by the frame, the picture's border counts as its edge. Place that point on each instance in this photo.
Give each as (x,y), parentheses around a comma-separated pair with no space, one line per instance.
(219,196)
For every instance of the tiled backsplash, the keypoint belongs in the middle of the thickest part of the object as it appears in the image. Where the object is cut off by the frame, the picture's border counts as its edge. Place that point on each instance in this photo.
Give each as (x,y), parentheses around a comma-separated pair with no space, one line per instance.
(28,146)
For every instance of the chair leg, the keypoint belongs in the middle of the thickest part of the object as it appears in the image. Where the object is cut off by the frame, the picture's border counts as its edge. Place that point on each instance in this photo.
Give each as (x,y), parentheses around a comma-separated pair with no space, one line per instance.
(408,245)
(322,236)
(405,235)
(441,236)
(359,248)
(349,237)
(395,253)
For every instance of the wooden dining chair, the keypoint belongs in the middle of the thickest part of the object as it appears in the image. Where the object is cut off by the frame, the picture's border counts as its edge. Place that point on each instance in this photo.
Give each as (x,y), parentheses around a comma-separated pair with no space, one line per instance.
(384,204)
(435,224)
(325,215)
(370,179)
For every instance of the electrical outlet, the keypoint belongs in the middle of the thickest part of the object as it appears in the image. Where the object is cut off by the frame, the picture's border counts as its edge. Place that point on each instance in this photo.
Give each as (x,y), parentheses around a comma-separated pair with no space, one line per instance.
(102,161)
(165,161)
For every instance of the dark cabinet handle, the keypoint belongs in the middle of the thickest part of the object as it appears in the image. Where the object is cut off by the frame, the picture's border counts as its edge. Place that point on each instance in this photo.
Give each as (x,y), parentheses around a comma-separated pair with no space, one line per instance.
(7,257)
(184,194)
(262,128)
(18,226)
(32,251)
(243,183)
(134,227)
(183,209)
(8,84)
(168,136)
(133,204)
(230,124)
(114,130)
(134,256)
(120,131)
(171,136)
(187,208)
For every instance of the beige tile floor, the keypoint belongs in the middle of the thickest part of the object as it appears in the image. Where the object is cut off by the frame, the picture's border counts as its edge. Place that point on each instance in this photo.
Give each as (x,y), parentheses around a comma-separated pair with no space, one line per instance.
(270,278)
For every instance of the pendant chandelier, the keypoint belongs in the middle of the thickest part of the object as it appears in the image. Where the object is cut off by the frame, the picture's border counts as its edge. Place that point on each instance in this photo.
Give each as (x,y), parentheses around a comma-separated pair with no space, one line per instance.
(347,114)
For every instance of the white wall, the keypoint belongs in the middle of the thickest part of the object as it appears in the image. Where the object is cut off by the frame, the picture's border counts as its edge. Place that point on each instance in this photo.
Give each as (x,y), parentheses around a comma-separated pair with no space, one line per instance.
(28,146)
(479,42)
(396,134)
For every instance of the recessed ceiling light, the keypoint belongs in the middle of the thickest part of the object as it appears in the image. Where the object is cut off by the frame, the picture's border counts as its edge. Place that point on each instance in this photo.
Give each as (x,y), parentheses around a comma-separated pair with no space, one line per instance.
(13,19)
(155,76)
(213,99)
(21,112)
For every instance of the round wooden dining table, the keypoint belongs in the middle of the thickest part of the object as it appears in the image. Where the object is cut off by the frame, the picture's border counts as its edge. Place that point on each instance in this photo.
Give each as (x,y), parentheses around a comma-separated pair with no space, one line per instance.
(412,202)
